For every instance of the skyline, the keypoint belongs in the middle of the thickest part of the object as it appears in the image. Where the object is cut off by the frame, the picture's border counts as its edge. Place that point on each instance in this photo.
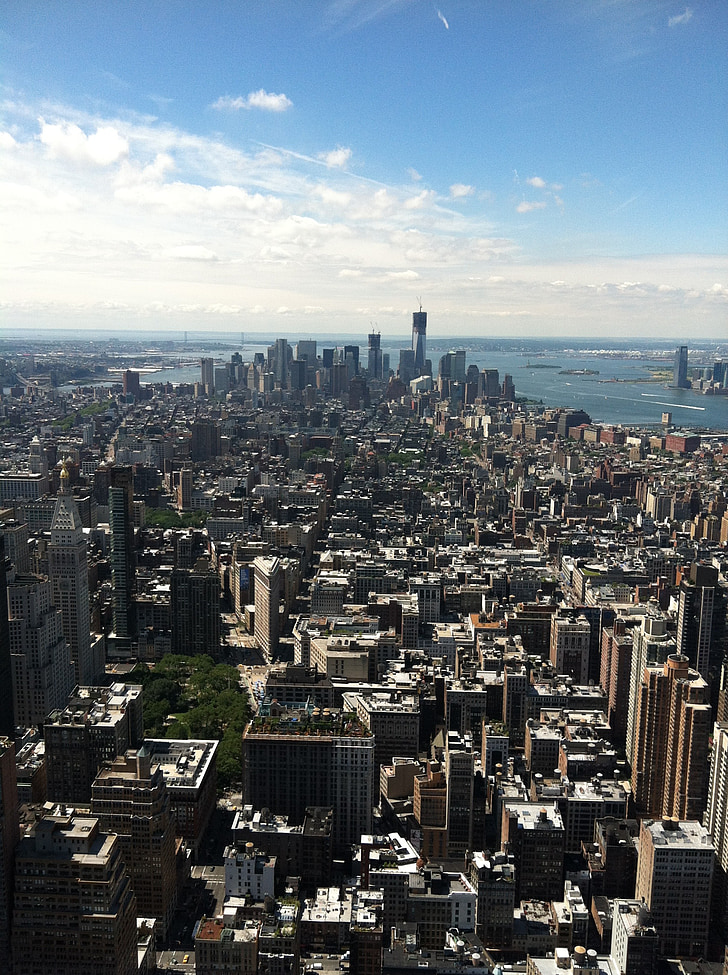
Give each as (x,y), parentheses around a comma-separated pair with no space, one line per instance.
(520,169)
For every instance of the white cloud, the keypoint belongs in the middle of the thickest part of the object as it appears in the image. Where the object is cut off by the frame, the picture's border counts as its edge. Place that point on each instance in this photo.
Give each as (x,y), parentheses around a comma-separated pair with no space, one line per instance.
(7,141)
(459,190)
(350,272)
(525,206)
(68,141)
(537,182)
(419,201)
(190,252)
(682,18)
(337,158)
(403,275)
(265,100)
(442,18)
(414,175)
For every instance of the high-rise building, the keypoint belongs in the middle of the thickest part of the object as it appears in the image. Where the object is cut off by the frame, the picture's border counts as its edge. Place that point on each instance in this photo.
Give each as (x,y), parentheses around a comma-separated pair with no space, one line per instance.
(68,571)
(675,879)
(670,762)
(534,836)
(207,374)
(129,797)
(701,618)
(9,838)
(121,523)
(98,724)
(652,645)
(296,759)
(43,675)
(459,773)
(267,595)
(7,714)
(493,877)
(75,910)
(374,362)
(130,383)
(195,606)
(716,819)
(680,368)
(634,939)
(419,339)
(569,647)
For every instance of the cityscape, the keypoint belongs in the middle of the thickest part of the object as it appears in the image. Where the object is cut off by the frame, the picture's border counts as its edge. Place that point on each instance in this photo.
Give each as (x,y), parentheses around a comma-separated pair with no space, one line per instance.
(363,487)
(338,659)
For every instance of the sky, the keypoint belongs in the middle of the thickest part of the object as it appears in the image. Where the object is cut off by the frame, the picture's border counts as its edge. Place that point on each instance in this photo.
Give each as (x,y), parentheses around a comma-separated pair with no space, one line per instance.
(518,168)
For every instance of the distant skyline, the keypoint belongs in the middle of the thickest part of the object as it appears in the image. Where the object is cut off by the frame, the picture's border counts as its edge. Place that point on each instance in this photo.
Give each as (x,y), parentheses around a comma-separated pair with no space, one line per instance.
(522,169)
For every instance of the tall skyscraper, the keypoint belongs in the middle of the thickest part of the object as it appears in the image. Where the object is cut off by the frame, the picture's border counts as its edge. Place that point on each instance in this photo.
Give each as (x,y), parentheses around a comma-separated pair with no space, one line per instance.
(43,675)
(267,596)
(75,910)
(7,716)
(121,522)
(419,338)
(68,571)
(680,368)
(670,760)
(716,819)
(195,602)
(207,374)
(701,618)
(375,355)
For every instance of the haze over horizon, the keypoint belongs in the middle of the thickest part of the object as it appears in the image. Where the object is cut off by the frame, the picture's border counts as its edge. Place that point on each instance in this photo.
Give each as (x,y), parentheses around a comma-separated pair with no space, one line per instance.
(519,168)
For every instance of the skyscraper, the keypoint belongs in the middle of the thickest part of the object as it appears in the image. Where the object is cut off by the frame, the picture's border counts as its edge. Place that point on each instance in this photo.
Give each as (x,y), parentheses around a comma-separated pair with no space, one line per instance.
(130,798)
(375,355)
(680,368)
(68,571)
(267,597)
(716,818)
(419,330)
(207,374)
(75,910)
(195,599)
(7,717)
(43,675)
(121,522)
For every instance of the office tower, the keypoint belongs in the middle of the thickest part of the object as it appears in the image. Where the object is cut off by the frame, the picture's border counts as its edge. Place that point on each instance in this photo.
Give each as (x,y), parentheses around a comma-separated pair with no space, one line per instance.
(490,383)
(701,618)
(407,371)
(278,360)
(207,374)
(43,675)
(374,361)
(68,571)
(267,596)
(569,647)
(634,939)
(97,724)
(17,548)
(195,606)
(130,383)
(129,797)
(419,339)
(493,877)
(297,374)
(675,879)
(9,838)
(670,763)
(459,773)
(508,391)
(351,352)
(306,349)
(295,759)
(680,368)
(534,836)
(75,910)
(7,714)
(616,668)
(716,819)
(205,440)
(121,523)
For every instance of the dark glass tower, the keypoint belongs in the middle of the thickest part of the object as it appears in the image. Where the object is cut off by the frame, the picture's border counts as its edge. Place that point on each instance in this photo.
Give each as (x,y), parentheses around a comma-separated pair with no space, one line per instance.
(419,330)
(680,368)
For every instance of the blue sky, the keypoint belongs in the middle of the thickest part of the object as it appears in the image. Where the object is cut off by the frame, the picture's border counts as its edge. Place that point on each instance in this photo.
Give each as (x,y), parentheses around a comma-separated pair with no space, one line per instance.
(523,168)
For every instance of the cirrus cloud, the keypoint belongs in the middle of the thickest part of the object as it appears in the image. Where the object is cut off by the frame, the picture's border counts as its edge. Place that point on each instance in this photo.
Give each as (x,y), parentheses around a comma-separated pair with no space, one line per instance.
(525,206)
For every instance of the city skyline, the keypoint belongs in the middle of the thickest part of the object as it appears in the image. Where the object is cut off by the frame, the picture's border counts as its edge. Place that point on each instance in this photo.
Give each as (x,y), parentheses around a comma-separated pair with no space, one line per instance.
(521,169)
